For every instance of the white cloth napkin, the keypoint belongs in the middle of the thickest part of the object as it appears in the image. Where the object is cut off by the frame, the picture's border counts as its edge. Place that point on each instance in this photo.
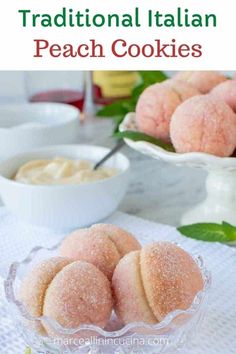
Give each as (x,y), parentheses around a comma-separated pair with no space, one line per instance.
(218,332)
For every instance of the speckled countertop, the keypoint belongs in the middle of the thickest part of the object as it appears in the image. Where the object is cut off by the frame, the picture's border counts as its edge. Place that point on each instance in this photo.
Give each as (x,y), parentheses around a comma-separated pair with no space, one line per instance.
(158,191)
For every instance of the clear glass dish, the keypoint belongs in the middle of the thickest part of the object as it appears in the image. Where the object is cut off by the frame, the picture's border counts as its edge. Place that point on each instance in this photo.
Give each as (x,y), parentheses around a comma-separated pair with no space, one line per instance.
(168,336)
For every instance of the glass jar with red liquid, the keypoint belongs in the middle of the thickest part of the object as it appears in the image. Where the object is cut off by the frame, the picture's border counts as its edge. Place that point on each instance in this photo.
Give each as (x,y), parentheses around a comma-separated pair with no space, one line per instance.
(56,86)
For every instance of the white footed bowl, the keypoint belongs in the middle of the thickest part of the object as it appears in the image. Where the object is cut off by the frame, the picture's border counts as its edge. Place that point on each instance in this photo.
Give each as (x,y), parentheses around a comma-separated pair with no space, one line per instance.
(64,206)
(220,202)
(31,125)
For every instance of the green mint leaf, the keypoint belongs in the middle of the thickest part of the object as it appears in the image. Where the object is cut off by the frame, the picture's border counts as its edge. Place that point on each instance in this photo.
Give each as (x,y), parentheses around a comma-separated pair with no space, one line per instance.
(137,92)
(152,77)
(117,108)
(137,136)
(210,232)
(229,230)
(130,105)
(117,121)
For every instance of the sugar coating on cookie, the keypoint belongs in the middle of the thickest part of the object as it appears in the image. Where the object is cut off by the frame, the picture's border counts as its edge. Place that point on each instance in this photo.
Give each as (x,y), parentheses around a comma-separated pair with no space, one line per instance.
(204,124)
(102,245)
(124,241)
(204,81)
(79,294)
(182,88)
(35,284)
(157,104)
(150,283)
(129,294)
(171,278)
(226,92)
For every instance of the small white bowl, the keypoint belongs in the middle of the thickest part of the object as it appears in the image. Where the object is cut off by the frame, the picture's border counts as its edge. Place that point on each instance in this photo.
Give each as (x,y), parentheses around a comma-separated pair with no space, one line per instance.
(64,206)
(31,125)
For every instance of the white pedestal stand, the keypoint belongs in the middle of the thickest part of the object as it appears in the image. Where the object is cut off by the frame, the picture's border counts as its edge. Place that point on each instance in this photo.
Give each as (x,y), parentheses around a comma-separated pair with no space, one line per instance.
(220,203)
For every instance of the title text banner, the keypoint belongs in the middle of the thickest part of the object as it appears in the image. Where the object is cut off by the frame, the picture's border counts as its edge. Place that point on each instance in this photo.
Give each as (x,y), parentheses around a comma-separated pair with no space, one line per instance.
(76,35)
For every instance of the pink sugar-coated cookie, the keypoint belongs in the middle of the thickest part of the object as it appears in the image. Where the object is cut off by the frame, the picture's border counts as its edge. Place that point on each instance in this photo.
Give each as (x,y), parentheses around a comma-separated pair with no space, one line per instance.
(204,81)
(70,293)
(204,124)
(157,104)
(79,294)
(150,283)
(171,278)
(35,284)
(226,92)
(102,245)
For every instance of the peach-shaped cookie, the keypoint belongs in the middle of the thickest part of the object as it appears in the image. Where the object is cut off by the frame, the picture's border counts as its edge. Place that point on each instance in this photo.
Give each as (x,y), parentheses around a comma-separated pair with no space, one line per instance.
(204,81)
(157,104)
(79,294)
(173,272)
(150,283)
(204,124)
(226,92)
(102,245)
(70,293)
(35,284)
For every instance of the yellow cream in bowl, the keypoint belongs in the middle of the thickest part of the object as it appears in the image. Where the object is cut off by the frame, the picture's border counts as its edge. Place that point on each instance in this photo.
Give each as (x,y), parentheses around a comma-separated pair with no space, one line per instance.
(61,171)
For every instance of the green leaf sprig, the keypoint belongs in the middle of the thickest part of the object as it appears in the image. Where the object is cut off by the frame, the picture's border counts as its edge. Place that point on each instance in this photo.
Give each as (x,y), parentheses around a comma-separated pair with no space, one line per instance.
(138,136)
(210,232)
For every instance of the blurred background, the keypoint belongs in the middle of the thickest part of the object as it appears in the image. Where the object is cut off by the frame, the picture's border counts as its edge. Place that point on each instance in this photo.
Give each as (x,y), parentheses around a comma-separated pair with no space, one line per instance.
(12,85)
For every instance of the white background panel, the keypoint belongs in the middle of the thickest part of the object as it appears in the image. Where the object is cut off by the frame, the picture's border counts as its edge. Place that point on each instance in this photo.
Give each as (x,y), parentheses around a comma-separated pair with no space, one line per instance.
(17,48)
